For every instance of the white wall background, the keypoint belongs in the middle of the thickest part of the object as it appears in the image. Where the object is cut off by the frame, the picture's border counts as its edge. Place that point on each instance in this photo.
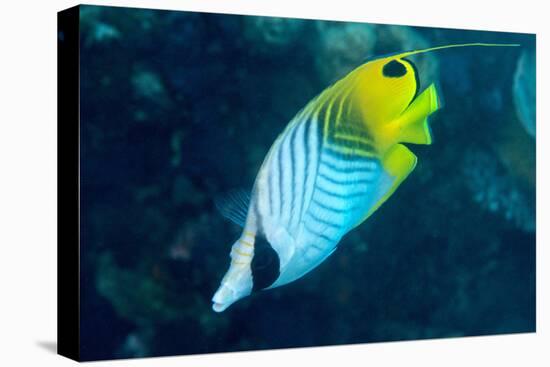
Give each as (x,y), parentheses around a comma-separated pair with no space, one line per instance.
(28,182)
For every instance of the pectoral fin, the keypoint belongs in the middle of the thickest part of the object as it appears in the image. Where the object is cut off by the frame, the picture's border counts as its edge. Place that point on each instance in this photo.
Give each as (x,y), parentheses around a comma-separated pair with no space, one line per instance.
(399,162)
(234,206)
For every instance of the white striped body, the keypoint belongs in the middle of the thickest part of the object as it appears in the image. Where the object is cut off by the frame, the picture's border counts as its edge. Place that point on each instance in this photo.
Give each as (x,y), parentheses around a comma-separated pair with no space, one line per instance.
(308,196)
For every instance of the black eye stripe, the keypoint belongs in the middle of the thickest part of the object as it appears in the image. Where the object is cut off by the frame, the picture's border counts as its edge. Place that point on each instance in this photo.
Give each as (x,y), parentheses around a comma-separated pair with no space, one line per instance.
(416,77)
(265,264)
(394,69)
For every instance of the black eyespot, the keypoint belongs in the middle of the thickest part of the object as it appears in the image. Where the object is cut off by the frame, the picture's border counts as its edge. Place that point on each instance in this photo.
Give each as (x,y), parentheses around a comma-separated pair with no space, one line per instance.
(265,264)
(394,69)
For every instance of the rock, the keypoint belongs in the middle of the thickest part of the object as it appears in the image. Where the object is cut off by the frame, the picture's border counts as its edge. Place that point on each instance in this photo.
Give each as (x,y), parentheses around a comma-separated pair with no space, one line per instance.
(342,46)
(134,295)
(269,35)
(95,28)
(497,192)
(525,90)
(147,84)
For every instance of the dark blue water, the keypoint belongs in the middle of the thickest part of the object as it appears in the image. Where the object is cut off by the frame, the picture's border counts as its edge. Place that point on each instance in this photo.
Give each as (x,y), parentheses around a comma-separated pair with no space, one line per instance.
(178,108)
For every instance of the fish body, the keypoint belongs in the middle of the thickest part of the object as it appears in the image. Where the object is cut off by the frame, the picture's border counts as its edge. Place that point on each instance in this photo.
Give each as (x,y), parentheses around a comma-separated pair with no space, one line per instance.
(335,163)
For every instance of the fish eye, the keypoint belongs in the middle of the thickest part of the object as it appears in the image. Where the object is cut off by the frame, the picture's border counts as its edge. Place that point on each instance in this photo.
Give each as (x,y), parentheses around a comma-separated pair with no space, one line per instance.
(394,69)
(265,264)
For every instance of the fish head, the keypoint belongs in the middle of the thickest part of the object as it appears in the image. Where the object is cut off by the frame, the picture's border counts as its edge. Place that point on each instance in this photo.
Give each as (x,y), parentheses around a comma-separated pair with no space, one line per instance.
(385,88)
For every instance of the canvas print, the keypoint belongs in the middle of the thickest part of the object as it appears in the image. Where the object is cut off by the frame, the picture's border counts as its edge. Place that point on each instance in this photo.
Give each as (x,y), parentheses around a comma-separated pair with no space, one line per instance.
(251,183)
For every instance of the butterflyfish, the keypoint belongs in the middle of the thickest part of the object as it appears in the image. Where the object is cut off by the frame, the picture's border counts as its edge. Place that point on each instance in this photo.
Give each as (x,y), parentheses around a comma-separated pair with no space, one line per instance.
(335,163)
